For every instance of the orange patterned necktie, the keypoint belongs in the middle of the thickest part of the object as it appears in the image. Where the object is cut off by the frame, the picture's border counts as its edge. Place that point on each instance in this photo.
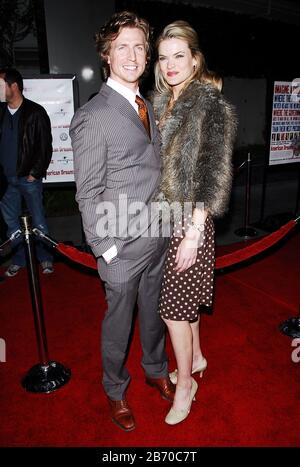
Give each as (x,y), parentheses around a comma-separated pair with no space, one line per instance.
(143,113)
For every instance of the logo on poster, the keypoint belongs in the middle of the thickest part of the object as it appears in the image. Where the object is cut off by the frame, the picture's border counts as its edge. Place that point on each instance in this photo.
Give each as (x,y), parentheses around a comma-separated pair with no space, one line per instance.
(63,136)
(295,95)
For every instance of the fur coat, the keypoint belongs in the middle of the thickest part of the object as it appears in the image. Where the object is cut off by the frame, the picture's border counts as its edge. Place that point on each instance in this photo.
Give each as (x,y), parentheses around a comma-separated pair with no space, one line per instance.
(197,142)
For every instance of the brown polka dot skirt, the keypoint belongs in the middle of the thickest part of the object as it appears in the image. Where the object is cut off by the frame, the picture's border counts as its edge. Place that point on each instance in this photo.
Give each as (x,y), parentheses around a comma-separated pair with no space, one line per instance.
(183,292)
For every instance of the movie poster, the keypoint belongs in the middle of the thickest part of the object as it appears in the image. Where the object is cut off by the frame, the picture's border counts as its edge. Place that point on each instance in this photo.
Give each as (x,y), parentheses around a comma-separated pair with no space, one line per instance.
(57,97)
(285,130)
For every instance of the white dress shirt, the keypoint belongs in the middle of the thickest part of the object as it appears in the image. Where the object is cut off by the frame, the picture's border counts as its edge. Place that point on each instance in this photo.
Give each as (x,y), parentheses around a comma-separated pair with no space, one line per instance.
(125,92)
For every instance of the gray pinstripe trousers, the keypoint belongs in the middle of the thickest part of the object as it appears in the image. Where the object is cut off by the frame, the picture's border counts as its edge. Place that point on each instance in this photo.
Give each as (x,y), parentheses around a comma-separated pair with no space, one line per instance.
(126,282)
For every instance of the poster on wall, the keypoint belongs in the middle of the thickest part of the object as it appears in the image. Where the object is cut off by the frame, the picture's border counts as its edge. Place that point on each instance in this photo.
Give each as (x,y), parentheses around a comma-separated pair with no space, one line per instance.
(56,95)
(285,129)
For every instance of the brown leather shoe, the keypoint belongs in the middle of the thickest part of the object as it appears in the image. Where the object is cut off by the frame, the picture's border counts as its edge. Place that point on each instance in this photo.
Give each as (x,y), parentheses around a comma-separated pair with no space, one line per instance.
(121,414)
(164,385)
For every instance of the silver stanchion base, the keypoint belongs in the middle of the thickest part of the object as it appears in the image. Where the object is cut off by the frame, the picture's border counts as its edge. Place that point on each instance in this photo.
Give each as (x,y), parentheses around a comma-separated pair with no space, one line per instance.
(291,327)
(46,378)
(246,232)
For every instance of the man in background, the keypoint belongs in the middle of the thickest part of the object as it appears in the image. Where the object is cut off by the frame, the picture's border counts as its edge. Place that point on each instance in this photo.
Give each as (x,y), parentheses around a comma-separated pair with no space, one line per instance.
(25,154)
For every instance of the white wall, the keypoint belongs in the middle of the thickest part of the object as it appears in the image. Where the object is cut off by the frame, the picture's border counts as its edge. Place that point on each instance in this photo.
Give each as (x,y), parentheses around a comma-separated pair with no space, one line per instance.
(71,25)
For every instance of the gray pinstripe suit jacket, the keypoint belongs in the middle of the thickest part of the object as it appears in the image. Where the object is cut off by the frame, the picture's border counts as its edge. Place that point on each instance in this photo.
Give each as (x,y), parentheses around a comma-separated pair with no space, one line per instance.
(114,156)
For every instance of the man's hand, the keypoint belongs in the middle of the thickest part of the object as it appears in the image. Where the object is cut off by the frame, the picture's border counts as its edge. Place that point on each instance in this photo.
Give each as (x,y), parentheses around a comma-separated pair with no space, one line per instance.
(30,178)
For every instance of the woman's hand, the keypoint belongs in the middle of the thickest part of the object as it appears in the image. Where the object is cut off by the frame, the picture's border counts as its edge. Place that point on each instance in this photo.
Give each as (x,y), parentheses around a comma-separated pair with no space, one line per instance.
(187,251)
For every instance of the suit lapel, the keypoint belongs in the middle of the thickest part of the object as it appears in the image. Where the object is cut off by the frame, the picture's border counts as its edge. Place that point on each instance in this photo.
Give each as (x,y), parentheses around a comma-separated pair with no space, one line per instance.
(118,102)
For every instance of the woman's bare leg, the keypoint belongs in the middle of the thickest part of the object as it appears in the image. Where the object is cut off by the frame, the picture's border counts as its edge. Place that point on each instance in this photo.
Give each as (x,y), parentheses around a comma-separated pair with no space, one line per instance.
(182,342)
(197,352)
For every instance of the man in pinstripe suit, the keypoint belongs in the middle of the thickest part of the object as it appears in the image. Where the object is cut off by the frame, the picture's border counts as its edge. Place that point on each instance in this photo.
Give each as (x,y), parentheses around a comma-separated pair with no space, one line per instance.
(117,172)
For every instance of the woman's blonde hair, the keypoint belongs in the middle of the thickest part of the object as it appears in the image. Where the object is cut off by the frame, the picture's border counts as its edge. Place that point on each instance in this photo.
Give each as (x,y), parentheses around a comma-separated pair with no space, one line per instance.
(182,30)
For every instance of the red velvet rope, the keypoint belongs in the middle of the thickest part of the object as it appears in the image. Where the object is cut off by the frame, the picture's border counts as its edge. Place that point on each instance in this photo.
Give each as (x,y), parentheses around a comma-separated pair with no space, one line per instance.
(255,248)
(224,261)
(78,256)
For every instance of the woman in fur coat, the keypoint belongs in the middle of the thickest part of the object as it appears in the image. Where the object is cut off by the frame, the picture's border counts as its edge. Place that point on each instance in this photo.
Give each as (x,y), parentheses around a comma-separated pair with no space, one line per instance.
(197,127)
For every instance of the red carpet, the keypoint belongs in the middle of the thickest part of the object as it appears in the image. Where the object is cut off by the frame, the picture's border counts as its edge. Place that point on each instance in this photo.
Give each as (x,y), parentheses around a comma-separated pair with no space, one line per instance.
(249,395)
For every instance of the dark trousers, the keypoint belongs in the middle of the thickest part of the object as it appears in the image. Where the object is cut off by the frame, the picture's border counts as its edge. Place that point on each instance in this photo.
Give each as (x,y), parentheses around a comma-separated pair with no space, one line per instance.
(11,209)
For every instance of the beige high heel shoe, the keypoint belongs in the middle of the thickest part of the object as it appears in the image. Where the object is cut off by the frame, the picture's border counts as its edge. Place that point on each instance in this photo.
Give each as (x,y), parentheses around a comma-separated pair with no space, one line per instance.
(176,416)
(200,369)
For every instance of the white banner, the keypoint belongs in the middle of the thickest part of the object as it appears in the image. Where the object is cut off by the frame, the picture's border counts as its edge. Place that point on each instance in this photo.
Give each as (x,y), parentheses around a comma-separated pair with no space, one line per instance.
(285,130)
(56,96)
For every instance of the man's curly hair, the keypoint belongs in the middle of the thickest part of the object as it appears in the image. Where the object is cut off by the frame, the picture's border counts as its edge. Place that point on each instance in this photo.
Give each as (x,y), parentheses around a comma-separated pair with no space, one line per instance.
(110,31)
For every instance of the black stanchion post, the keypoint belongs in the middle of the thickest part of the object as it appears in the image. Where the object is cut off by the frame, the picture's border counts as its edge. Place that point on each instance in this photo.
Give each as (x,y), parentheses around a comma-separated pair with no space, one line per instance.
(291,327)
(246,231)
(35,293)
(263,196)
(47,376)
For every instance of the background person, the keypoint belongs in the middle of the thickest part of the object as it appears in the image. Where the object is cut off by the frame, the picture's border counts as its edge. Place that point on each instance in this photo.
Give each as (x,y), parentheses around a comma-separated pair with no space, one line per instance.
(25,154)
